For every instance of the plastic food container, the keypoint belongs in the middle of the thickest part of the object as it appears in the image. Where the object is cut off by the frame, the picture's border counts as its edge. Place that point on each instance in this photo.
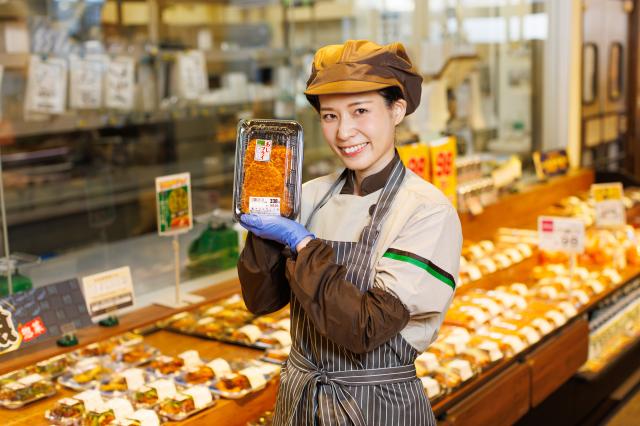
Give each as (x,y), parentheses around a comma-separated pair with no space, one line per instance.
(268,168)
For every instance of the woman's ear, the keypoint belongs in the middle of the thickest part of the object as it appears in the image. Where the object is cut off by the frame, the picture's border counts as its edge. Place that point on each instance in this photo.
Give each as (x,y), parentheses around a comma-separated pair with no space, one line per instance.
(399,110)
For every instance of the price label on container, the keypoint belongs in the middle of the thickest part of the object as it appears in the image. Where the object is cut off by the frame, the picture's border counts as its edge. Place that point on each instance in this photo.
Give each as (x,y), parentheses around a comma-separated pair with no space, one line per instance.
(120,84)
(609,208)
(46,85)
(561,234)
(108,291)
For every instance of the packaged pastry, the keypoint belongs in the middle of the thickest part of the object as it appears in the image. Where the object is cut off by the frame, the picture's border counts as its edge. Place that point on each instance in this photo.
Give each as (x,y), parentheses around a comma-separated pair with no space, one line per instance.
(53,367)
(96,349)
(277,355)
(66,412)
(268,169)
(461,367)
(166,365)
(125,381)
(149,395)
(183,321)
(26,390)
(431,386)
(197,375)
(209,327)
(426,363)
(477,358)
(247,334)
(146,417)
(121,407)
(136,354)
(446,378)
(237,385)
(275,338)
(103,416)
(186,403)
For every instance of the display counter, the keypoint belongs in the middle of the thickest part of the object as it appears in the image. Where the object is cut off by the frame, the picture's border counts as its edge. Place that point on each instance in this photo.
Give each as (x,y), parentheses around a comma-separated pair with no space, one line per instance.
(500,394)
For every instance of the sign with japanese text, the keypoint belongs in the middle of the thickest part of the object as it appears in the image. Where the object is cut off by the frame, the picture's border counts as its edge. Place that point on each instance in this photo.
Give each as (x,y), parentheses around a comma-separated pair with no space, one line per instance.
(41,314)
(87,81)
(551,163)
(192,74)
(120,83)
(561,234)
(415,157)
(443,166)
(108,291)
(173,200)
(609,208)
(46,85)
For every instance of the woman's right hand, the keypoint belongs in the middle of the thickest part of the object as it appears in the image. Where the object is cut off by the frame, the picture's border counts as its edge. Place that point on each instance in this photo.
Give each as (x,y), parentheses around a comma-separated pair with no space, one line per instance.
(277,228)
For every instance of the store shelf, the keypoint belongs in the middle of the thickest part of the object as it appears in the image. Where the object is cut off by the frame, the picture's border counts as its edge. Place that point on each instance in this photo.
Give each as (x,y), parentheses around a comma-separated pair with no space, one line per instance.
(593,376)
(14,60)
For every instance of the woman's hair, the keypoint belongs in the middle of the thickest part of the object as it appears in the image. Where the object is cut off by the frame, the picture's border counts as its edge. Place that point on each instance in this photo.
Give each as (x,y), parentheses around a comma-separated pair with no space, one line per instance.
(389,94)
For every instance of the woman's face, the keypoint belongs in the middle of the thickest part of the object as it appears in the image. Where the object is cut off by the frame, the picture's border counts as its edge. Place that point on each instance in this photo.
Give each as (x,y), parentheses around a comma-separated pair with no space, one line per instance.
(360,129)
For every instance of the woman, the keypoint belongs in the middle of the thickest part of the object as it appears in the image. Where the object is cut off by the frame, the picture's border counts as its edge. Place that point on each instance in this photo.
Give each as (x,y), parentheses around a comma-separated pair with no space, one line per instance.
(370,269)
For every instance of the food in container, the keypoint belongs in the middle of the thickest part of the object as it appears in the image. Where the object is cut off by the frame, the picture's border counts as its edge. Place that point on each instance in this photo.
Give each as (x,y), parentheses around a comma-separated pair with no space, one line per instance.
(66,412)
(26,390)
(268,168)
(53,367)
(166,365)
(198,375)
(102,416)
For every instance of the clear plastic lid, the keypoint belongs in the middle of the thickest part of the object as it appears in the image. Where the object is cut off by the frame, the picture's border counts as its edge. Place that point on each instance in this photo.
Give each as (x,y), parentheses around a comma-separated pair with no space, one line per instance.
(268,170)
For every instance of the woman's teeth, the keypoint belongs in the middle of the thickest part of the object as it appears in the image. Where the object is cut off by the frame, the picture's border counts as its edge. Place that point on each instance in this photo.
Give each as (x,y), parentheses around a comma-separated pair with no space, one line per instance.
(354,149)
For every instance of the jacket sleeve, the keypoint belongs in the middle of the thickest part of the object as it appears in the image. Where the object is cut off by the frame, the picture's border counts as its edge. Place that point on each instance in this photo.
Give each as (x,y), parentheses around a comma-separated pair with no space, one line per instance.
(261,270)
(358,321)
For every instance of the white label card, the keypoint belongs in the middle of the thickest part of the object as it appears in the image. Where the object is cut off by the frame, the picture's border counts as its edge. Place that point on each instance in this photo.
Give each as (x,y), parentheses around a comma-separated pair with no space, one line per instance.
(220,367)
(121,407)
(251,331)
(87,81)
(191,358)
(610,213)
(108,291)
(192,72)
(255,377)
(46,85)
(283,337)
(201,396)
(268,206)
(146,417)
(120,83)
(428,360)
(263,150)
(165,388)
(134,378)
(91,399)
(561,234)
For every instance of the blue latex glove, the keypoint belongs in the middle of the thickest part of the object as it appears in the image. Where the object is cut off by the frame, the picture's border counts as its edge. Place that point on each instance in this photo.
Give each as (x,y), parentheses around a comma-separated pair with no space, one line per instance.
(277,228)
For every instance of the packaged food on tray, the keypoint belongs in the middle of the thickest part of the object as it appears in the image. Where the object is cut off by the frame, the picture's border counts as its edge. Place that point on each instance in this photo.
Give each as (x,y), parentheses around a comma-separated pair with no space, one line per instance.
(197,375)
(183,321)
(270,323)
(136,354)
(26,390)
(268,169)
(478,359)
(426,363)
(237,385)
(247,335)
(154,392)
(96,349)
(122,382)
(53,367)
(102,416)
(12,376)
(277,355)
(186,403)
(66,412)
(278,338)
(166,365)
(228,316)
(431,387)
(208,326)
(487,346)
(446,378)
(121,407)
(144,417)
(85,375)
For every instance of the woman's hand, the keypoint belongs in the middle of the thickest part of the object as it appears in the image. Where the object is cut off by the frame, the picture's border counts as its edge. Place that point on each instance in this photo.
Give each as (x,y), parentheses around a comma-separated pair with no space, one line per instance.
(277,228)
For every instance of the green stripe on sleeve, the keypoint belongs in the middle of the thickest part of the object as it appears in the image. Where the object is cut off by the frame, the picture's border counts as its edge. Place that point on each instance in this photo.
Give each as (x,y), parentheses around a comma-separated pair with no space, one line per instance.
(422,264)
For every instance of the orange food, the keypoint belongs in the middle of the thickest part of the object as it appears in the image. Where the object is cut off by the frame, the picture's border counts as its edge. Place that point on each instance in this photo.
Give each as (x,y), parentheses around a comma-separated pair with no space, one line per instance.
(265,178)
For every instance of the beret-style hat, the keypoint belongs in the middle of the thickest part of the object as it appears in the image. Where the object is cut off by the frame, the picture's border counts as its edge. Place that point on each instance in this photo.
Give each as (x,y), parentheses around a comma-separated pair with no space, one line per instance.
(361,66)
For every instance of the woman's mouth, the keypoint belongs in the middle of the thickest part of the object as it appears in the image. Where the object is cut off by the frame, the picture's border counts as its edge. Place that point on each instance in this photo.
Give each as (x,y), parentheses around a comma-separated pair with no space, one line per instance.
(353,150)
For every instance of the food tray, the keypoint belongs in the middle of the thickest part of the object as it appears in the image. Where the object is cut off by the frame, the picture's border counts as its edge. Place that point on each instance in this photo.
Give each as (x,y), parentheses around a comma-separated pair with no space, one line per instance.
(268,151)
(13,405)
(62,422)
(236,395)
(181,417)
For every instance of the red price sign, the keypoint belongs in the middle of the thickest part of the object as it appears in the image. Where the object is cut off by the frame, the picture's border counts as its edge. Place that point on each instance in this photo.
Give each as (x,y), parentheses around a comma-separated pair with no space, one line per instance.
(444,164)
(32,329)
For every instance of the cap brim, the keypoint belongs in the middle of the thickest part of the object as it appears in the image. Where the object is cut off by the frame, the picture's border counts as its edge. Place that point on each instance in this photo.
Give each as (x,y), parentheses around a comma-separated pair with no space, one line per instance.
(346,86)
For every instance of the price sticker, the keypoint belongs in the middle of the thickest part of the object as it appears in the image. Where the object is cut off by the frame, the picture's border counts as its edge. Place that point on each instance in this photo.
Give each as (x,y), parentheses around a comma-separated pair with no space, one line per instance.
(561,234)
(609,207)
(108,291)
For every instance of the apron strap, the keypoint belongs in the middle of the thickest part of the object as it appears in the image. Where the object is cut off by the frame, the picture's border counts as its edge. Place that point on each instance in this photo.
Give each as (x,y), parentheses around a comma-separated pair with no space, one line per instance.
(326,196)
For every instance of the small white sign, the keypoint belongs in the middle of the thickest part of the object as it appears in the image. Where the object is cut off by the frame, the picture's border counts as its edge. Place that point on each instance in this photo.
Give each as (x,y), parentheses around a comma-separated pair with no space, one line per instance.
(87,81)
(91,399)
(165,388)
(267,206)
(191,358)
(120,83)
(201,396)
(173,202)
(46,85)
(220,367)
(192,73)
(255,377)
(108,291)
(561,234)
(134,378)
(263,150)
(609,208)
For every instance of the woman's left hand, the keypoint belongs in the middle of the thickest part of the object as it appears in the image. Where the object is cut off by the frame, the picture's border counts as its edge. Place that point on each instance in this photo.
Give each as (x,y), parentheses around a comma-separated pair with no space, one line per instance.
(277,228)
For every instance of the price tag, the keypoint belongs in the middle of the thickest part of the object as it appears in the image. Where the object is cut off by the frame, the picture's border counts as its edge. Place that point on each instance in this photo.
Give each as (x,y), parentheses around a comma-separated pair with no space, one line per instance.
(283,337)
(220,367)
(146,417)
(191,358)
(415,157)
(251,331)
(263,150)
(120,83)
(86,79)
(165,388)
(268,206)
(443,166)
(192,72)
(108,291)
(121,407)
(46,85)
(428,360)
(201,396)
(134,378)
(561,234)
(609,207)
(31,379)
(431,386)
(91,399)
(173,200)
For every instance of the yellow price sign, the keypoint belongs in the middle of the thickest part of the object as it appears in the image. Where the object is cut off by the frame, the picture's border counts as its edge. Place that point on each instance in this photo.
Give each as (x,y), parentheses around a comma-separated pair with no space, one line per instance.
(415,157)
(607,191)
(443,166)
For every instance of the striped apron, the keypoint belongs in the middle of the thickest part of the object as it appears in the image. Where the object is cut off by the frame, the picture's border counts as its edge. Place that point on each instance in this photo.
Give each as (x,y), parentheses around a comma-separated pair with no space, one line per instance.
(323,383)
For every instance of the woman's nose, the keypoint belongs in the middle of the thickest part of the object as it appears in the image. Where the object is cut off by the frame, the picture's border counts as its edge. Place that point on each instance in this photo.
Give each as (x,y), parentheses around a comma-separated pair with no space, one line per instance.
(346,128)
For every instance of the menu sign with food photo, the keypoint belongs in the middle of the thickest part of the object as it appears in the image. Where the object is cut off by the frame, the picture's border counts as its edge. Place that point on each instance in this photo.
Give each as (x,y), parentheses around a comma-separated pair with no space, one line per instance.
(173,199)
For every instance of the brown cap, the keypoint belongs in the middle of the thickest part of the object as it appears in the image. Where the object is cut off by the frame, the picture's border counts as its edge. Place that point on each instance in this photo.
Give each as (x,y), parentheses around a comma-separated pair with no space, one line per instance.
(361,66)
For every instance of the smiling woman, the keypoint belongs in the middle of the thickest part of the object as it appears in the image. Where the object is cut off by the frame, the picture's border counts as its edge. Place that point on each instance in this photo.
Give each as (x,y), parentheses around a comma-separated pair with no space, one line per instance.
(373,260)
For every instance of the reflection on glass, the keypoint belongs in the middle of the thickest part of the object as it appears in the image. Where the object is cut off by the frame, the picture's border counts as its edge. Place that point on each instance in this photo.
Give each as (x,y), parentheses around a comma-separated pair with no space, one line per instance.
(615,74)
(589,73)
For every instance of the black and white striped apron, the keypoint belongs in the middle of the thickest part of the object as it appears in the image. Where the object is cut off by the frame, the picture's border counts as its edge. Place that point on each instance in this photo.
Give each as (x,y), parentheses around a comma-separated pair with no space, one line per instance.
(323,383)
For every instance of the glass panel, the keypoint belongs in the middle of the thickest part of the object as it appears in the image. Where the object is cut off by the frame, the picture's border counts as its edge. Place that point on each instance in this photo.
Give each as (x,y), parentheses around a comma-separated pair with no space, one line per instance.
(589,73)
(615,75)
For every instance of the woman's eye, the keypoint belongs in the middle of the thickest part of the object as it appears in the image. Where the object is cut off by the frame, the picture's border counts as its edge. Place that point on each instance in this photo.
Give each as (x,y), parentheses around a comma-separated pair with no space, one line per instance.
(361,111)
(328,117)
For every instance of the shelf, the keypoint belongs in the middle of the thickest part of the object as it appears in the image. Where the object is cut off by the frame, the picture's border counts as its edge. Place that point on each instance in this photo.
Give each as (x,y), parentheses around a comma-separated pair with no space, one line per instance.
(14,60)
